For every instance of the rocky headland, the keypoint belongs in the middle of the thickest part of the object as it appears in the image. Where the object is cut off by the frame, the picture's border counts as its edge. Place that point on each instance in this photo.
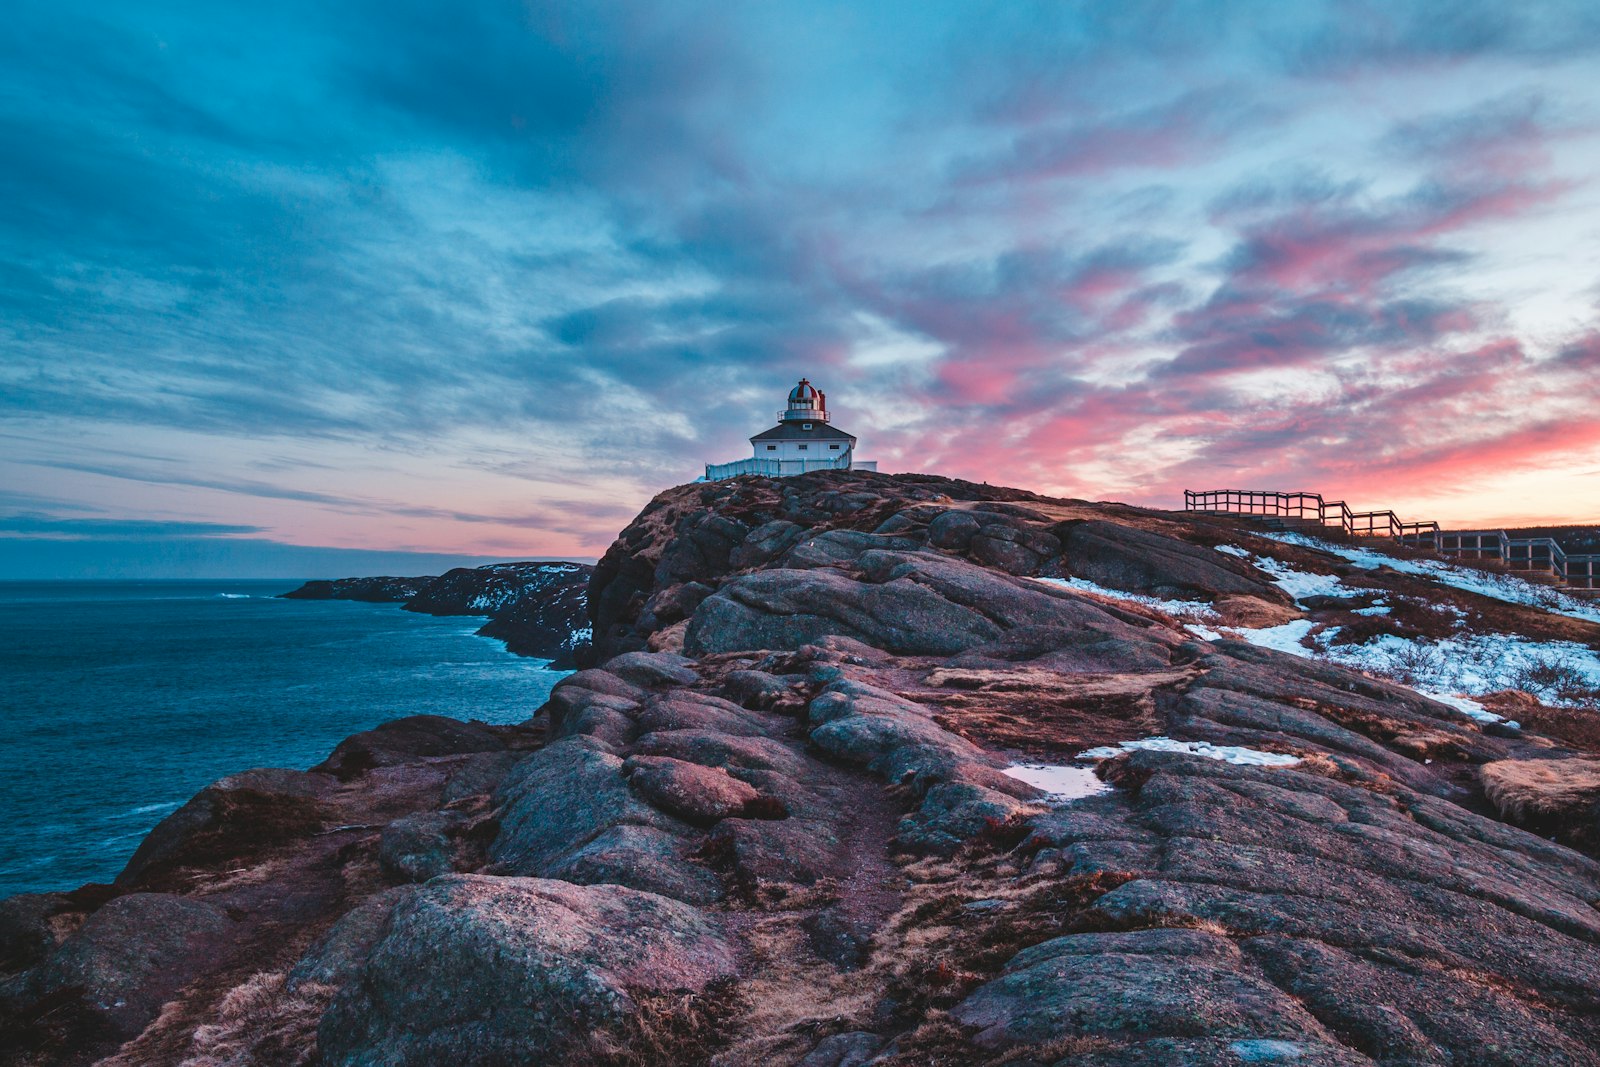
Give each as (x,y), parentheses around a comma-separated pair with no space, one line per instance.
(777,818)
(537,609)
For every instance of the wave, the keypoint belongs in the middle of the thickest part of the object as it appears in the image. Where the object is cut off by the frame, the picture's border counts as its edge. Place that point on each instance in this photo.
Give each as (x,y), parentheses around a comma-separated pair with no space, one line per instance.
(235,596)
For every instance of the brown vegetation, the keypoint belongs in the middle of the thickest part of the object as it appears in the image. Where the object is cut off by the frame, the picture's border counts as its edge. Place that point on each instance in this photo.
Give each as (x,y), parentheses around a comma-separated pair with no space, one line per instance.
(1534,791)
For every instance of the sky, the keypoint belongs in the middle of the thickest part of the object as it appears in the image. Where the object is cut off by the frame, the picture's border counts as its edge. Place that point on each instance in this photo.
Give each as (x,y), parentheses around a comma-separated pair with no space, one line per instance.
(478,279)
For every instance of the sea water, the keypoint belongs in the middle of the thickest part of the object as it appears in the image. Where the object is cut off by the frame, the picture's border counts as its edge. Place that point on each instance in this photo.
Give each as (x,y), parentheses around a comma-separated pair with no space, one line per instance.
(120,700)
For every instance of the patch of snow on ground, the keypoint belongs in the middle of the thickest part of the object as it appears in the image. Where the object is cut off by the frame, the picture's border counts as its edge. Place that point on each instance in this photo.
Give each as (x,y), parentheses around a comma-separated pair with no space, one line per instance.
(1060,784)
(1180,609)
(1505,587)
(1284,638)
(1470,708)
(1244,757)
(1475,664)
(1381,656)
(1297,583)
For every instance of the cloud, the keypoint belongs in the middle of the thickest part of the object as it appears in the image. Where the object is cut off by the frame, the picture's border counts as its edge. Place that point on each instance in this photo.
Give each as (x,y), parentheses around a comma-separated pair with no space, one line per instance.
(1164,136)
(83,529)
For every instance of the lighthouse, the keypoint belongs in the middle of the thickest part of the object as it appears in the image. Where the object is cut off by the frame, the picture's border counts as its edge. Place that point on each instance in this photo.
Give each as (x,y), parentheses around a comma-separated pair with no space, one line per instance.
(804,439)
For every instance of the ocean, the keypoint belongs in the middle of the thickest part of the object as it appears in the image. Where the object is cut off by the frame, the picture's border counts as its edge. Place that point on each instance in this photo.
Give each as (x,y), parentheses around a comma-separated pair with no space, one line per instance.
(120,700)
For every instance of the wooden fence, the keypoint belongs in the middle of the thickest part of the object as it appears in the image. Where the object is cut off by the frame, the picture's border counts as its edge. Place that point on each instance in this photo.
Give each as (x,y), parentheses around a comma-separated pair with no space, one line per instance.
(1535,557)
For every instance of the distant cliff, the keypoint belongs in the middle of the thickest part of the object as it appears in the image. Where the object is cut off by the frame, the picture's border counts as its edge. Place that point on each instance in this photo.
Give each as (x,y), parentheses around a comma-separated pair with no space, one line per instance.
(537,609)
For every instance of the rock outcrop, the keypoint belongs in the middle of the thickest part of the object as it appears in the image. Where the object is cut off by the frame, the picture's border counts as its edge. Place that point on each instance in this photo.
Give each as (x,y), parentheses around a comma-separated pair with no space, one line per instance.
(776,819)
(485,971)
(537,609)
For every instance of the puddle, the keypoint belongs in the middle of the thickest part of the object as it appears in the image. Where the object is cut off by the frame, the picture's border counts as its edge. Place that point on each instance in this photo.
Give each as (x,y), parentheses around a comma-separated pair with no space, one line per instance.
(1060,783)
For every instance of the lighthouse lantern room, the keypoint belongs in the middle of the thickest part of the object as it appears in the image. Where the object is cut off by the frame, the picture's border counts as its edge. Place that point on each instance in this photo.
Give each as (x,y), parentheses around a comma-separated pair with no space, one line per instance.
(803,440)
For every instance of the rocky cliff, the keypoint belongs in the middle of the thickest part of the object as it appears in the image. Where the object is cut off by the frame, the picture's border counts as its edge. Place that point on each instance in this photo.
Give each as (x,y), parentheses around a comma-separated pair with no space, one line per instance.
(815,799)
(537,609)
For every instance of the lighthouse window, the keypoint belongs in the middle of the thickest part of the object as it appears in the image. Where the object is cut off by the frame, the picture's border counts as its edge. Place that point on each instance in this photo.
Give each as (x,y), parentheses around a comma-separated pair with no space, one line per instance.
(805,426)
(802,448)
(772,448)
(834,447)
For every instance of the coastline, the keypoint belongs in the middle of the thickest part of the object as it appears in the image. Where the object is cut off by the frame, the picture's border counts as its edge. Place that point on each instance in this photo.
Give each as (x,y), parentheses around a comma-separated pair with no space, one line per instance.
(128,698)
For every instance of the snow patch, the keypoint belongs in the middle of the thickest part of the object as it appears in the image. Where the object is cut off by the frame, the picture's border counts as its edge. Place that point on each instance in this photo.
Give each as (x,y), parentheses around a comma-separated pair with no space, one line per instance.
(1297,583)
(1503,587)
(1474,664)
(1059,783)
(1236,754)
(1180,609)
(1284,638)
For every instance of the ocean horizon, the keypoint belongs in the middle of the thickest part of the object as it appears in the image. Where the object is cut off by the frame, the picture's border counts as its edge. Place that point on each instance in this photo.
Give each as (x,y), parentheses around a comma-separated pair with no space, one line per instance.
(119,700)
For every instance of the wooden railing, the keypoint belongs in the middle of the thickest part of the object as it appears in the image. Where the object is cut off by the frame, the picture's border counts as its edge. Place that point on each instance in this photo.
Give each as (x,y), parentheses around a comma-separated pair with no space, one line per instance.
(1310,507)
(1537,556)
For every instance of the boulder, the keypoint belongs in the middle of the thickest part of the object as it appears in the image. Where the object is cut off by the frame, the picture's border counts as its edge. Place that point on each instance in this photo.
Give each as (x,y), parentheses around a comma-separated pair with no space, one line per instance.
(479,774)
(559,799)
(844,1050)
(408,740)
(766,543)
(418,847)
(698,711)
(235,817)
(952,813)
(700,548)
(713,749)
(953,530)
(754,689)
(696,794)
(1069,651)
(478,971)
(335,956)
(649,670)
(673,603)
(788,850)
(26,933)
(131,955)
(640,857)
(836,547)
(1153,983)
(1004,554)
(596,680)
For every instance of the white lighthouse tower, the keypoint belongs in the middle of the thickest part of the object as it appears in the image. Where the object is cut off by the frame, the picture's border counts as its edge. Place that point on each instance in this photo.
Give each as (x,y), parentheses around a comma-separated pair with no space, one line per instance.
(804,440)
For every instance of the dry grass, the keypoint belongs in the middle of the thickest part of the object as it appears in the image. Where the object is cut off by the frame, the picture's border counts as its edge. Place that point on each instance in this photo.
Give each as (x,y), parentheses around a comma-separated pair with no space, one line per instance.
(1253,612)
(1530,791)
(792,999)
(924,959)
(1323,766)
(681,1029)
(259,1023)
(935,951)
(1579,727)
(1417,740)
(1043,712)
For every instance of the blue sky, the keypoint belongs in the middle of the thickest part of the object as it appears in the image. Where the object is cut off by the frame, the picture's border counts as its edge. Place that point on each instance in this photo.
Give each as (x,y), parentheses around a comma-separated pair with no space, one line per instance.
(478,279)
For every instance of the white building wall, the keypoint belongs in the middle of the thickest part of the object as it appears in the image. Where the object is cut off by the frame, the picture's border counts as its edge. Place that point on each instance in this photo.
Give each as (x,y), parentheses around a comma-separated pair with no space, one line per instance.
(797,450)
